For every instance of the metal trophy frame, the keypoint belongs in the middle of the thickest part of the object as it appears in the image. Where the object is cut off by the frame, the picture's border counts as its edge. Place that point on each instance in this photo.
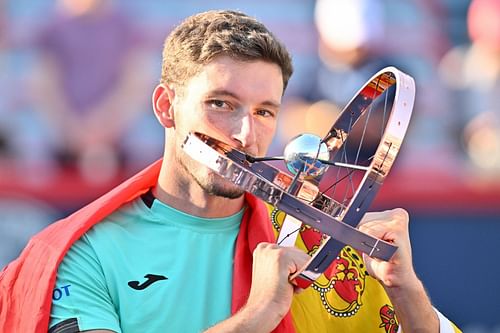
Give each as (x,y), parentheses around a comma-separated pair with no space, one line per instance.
(299,196)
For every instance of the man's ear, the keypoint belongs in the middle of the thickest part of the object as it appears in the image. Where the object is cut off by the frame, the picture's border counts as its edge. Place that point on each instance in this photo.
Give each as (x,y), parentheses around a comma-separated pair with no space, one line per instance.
(163,98)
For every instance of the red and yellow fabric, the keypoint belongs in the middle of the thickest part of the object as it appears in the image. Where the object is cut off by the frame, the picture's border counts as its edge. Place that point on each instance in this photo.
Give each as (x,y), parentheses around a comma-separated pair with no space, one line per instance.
(343,299)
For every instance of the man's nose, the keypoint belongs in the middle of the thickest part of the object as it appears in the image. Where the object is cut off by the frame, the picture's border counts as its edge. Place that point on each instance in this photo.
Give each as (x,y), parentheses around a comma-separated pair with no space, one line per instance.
(244,134)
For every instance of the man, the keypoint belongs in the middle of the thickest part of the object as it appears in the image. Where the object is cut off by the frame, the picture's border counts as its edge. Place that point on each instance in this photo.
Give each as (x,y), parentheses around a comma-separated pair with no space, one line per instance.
(178,248)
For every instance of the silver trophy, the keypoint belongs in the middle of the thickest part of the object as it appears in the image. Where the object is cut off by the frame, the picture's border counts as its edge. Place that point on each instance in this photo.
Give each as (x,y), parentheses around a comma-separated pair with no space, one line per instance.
(361,147)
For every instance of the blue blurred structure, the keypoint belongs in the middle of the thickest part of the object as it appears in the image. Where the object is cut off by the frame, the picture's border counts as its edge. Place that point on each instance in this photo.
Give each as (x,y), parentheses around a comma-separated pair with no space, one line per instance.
(455,256)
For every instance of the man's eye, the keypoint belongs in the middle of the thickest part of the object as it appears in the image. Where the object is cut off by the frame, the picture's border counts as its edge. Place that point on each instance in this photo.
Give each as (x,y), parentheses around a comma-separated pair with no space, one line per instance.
(265,113)
(217,103)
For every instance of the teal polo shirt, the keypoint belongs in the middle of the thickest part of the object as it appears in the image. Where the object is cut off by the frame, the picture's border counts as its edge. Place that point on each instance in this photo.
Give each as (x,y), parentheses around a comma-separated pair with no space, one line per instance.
(147,269)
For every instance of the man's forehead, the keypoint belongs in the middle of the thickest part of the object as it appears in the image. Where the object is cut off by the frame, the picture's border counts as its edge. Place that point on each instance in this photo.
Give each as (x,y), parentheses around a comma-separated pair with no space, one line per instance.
(237,77)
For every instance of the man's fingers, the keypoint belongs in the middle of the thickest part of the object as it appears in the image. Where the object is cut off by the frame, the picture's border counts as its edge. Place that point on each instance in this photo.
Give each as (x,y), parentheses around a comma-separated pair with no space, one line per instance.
(386,225)
(299,258)
(372,265)
(397,214)
(290,257)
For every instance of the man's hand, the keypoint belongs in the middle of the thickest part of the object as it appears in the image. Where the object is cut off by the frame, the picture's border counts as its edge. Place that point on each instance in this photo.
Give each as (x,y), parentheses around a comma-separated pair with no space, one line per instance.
(412,306)
(272,267)
(271,292)
(390,226)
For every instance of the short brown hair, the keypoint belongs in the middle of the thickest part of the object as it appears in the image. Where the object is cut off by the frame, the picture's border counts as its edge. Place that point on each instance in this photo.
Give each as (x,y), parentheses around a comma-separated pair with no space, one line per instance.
(202,37)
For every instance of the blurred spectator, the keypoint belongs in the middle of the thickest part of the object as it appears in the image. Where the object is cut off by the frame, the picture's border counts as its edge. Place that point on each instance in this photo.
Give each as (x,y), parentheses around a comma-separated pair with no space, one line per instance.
(473,73)
(360,37)
(4,144)
(22,217)
(92,84)
(347,31)
(21,140)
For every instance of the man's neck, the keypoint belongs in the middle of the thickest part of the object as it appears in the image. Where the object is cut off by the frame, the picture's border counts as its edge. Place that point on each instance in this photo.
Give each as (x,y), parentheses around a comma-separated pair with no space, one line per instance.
(186,195)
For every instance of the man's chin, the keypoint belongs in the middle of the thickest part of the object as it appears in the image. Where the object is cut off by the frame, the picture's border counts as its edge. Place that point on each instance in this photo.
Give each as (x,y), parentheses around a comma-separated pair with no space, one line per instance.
(216,185)
(212,183)
(226,191)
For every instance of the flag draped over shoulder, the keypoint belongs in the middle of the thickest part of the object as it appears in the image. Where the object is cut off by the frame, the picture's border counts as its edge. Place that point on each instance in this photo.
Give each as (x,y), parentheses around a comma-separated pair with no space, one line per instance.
(27,283)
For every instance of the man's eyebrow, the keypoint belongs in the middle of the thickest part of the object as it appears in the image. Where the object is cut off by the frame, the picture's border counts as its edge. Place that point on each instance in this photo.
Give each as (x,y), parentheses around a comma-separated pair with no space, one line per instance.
(223,92)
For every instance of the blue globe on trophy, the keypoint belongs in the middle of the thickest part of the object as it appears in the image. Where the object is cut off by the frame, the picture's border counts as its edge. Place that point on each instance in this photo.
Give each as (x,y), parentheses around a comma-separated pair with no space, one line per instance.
(304,154)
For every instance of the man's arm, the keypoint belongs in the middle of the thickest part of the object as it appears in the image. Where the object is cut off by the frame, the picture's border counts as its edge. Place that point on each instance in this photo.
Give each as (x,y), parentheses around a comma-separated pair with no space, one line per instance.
(271,292)
(411,303)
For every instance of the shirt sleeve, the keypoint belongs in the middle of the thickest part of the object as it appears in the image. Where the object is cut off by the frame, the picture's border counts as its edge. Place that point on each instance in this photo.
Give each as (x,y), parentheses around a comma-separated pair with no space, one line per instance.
(81,292)
(445,325)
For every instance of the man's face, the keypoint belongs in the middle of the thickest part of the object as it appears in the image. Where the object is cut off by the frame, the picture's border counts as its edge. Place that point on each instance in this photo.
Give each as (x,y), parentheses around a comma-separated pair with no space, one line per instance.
(235,102)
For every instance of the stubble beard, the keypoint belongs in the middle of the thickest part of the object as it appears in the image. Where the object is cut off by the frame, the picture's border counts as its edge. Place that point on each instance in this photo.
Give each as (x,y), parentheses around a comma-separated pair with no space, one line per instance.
(209,180)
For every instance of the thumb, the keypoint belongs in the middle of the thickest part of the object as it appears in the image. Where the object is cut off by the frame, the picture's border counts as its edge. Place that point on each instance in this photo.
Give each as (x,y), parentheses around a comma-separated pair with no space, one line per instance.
(371,265)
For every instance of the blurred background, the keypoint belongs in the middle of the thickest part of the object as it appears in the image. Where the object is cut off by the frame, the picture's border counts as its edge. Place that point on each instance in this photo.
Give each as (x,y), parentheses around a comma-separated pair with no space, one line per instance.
(76,78)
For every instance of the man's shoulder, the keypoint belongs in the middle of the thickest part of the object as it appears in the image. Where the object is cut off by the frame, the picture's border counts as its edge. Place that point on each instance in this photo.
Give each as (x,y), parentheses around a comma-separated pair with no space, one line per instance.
(123,220)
